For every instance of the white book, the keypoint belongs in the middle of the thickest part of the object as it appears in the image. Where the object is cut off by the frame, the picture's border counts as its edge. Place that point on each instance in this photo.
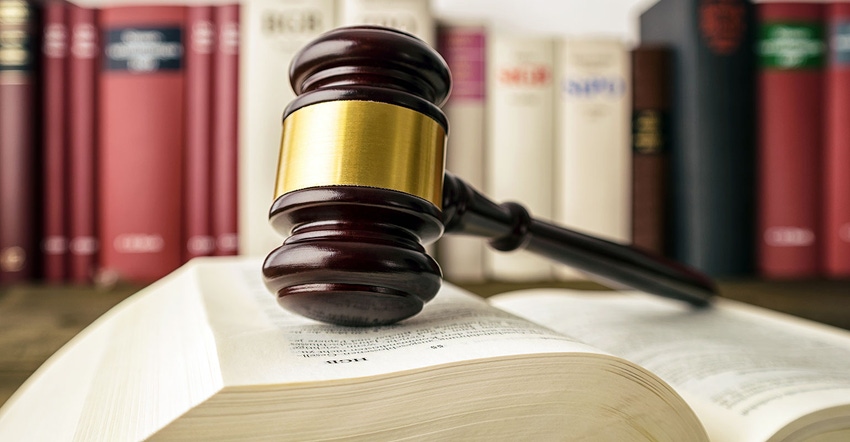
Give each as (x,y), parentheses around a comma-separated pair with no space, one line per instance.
(592,149)
(750,374)
(518,164)
(207,354)
(272,32)
(412,16)
(463,45)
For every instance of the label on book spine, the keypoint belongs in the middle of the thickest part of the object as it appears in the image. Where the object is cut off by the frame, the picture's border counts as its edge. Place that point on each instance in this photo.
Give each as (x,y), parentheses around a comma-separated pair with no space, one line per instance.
(791,46)
(144,49)
(840,44)
(15,38)
(464,52)
(649,128)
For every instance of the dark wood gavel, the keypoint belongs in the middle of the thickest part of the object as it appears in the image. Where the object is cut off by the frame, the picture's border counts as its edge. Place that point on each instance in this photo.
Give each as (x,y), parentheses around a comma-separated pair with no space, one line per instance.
(361,187)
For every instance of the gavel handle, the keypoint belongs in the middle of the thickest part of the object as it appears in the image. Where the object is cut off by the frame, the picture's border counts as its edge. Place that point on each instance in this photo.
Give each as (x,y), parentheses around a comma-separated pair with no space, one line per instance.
(509,226)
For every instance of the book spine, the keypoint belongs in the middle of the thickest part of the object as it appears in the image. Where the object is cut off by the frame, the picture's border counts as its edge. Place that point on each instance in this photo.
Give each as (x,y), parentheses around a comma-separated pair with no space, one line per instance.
(54,243)
(464,49)
(518,164)
(17,145)
(200,43)
(272,30)
(225,131)
(712,148)
(411,16)
(651,79)
(791,53)
(836,230)
(82,148)
(141,136)
(592,154)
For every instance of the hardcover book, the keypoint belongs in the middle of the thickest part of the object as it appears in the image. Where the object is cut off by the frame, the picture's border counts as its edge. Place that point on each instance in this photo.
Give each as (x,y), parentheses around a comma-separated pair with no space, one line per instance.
(651,112)
(225,137)
(141,169)
(197,213)
(836,205)
(54,92)
(207,354)
(520,140)
(273,31)
(791,54)
(712,132)
(411,16)
(18,210)
(83,121)
(593,160)
(464,47)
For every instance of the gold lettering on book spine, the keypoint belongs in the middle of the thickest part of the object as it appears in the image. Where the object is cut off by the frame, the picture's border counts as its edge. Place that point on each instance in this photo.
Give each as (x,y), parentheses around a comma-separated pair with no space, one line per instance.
(14,37)
(362,143)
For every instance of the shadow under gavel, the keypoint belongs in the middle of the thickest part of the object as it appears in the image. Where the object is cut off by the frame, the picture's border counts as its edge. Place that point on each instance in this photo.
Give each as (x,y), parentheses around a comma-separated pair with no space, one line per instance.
(361,187)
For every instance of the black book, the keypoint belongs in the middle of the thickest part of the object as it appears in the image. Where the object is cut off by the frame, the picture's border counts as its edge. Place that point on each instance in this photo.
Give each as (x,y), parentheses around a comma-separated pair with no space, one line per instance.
(712,148)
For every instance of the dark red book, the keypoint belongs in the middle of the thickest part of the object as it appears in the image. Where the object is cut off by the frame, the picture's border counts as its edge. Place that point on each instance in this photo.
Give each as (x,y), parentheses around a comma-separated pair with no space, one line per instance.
(18,204)
(141,137)
(791,53)
(651,75)
(82,91)
(54,43)
(200,43)
(836,226)
(225,134)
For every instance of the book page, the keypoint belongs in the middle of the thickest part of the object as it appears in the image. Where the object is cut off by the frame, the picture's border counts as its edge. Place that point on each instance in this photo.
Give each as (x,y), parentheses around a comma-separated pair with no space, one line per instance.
(207,353)
(286,348)
(759,368)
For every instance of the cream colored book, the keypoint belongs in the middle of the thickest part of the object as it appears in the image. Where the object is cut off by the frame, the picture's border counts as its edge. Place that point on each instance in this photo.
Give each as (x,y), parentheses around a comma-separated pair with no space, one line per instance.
(519,154)
(412,16)
(272,32)
(593,132)
(463,46)
(207,354)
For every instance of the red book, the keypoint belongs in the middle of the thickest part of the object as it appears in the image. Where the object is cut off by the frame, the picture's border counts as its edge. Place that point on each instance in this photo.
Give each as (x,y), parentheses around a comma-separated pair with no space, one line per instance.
(790,106)
(836,230)
(82,76)
(651,92)
(200,42)
(141,141)
(17,170)
(54,242)
(225,135)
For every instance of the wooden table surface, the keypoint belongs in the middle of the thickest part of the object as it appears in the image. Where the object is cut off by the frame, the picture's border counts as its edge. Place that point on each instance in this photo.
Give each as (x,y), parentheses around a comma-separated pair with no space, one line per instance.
(36,320)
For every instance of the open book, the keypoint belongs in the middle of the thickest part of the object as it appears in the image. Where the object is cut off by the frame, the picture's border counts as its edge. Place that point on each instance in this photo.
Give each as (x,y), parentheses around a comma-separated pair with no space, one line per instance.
(206,353)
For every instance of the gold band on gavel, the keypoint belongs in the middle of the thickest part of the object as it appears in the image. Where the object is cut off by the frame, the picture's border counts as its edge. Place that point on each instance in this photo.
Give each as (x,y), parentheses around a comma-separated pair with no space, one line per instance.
(362,143)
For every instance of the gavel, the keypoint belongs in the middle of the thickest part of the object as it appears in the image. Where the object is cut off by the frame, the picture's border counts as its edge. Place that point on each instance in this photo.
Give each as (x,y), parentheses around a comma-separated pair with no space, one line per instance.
(362,186)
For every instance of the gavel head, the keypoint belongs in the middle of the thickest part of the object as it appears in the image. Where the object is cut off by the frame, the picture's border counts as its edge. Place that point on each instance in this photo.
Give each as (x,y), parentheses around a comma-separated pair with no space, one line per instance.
(359,181)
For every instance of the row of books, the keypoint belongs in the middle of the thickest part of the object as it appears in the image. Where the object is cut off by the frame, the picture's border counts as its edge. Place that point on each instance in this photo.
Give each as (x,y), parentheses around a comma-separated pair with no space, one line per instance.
(722,143)
(543,121)
(758,139)
(804,141)
(133,153)
(144,136)
(656,147)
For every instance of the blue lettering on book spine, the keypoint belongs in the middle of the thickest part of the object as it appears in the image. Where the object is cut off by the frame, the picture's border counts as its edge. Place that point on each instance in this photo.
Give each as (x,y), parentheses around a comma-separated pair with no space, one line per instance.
(595,87)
